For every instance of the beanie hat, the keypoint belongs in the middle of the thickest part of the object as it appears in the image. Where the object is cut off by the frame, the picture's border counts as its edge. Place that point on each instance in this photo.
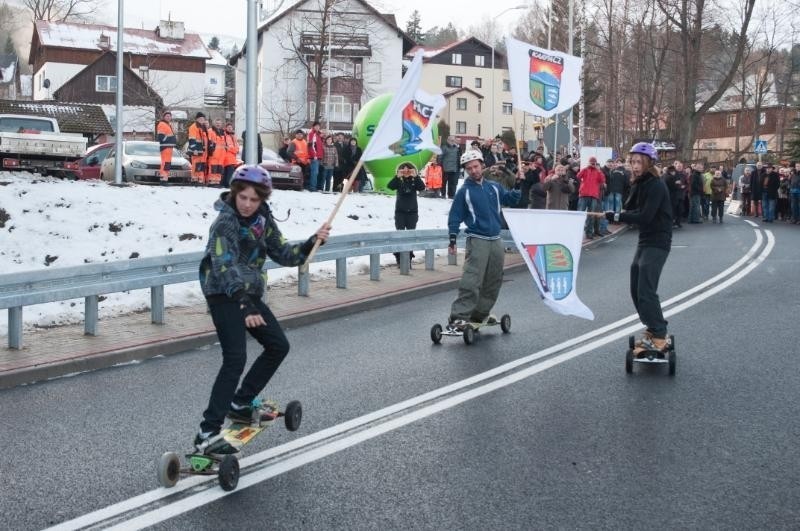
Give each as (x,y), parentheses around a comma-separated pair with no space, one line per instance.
(199,115)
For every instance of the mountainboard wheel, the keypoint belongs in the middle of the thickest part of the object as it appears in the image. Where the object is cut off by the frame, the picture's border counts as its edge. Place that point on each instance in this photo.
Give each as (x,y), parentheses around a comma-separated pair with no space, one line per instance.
(228,473)
(629,361)
(672,342)
(469,334)
(436,333)
(505,323)
(631,342)
(293,415)
(671,361)
(169,469)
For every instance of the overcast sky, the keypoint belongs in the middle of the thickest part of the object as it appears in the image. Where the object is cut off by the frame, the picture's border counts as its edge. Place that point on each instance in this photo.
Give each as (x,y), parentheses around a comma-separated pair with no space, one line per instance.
(230,17)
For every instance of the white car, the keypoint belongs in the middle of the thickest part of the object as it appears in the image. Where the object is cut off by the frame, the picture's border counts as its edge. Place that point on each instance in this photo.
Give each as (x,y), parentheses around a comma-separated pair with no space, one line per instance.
(141,163)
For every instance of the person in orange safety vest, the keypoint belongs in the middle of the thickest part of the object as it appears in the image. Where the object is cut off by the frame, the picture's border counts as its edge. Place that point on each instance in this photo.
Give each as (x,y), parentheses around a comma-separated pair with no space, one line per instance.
(167,142)
(298,153)
(231,151)
(216,153)
(433,178)
(198,148)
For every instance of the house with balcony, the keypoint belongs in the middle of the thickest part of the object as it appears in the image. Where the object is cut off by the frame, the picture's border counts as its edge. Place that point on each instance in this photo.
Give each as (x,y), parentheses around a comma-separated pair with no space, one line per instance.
(360,54)
(215,94)
(75,62)
(474,79)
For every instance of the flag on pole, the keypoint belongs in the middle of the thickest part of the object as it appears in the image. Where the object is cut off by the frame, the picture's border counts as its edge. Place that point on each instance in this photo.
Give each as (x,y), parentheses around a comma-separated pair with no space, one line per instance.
(406,126)
(550,242)
(543,82)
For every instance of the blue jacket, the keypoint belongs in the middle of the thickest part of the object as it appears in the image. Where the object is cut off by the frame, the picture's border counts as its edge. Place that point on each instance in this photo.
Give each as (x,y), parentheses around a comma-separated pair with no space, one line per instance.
(478,207)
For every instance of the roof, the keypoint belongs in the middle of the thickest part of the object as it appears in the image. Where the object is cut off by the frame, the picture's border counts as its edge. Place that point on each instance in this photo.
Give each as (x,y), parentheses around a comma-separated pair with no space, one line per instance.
(72,117)
(217,58)
(389,19)
(430,53)
(137,41)
(450,93)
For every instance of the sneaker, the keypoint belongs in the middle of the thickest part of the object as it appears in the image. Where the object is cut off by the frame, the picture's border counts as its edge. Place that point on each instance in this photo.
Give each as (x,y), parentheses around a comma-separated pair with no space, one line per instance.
(456,325)
(491,320)
(267,412)
(651,344)
(214,444)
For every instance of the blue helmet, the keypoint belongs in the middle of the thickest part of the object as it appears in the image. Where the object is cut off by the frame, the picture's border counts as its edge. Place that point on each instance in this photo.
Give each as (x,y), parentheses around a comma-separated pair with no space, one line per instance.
(645,148)
(252,174)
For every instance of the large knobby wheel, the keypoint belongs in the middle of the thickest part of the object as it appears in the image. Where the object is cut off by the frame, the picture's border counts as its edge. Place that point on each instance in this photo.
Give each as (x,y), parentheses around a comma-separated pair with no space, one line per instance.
(672,359)
(629,361)
(228,473)
(293,415)
(631,342)
(505,323)
(469,334)
(436,333)
(169,469)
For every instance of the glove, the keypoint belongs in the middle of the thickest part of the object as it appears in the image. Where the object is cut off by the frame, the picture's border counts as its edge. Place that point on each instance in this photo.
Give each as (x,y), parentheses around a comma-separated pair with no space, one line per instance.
(452,245)
(307,245)
(610,215)
(247,306)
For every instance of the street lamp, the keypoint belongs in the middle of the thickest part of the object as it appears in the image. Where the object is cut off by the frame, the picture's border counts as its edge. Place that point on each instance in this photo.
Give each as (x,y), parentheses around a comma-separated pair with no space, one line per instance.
(493,132)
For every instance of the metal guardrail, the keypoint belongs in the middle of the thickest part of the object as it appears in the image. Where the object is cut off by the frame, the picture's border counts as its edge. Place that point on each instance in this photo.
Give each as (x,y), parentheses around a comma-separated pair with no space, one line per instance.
(18,290)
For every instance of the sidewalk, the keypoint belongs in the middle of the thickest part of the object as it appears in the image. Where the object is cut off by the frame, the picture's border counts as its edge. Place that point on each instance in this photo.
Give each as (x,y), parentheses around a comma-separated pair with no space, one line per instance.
(52,352)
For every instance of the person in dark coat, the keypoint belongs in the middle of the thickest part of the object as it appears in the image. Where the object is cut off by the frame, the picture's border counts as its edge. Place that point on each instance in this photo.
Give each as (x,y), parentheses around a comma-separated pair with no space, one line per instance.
(757,189)
(259,153)
(673,182)
(770,184)
(406,182)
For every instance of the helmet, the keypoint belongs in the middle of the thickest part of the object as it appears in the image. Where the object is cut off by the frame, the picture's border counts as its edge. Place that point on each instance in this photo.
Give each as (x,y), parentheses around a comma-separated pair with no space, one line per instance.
(645,148)
(252,174)
(470,155)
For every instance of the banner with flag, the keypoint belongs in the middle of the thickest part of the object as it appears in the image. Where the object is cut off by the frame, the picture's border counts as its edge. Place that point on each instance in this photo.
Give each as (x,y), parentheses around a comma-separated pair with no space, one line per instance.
(406,126)
(543,82)
(550,242)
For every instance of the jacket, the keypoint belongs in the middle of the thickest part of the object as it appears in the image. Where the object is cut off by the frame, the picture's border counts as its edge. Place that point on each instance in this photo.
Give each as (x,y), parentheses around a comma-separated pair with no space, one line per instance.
(330,156)
(719,189)
(772,181)
(450,158)
(649,207)
(433,177)
(696,183)
(406,199)
(592,182)
(165,136)
(558,190)
(198,140)
(316,145)
(259,148)
(231,149)
(478,206)
(794,182)
(618,181)
(298,151)
(237,249)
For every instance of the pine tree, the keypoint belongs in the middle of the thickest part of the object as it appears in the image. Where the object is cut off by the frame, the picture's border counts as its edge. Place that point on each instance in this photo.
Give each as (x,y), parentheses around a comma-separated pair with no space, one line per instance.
(9,45)
(793,144)
(414,27)
(214,44)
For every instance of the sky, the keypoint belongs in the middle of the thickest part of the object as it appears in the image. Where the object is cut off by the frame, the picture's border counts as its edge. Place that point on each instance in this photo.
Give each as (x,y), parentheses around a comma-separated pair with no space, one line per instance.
(231,20)
(71,221)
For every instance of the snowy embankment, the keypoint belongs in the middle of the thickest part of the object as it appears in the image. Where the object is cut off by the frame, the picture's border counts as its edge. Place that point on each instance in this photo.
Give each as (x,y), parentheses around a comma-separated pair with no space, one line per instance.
(47,222)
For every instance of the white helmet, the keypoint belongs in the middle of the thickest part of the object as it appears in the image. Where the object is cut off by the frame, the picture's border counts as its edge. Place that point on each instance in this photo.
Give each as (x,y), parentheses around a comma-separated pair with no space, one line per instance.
(470,155)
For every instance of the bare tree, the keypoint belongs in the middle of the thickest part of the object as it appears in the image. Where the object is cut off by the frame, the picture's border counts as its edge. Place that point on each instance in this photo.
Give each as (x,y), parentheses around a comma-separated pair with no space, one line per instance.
(62,10)
(691,19)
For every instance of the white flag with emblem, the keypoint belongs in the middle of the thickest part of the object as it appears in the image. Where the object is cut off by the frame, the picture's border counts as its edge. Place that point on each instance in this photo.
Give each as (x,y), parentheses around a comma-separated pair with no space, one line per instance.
(550,242)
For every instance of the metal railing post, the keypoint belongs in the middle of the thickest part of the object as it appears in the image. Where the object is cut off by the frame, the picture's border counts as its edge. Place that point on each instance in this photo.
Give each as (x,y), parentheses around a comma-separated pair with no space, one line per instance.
(90,309)
(405,262)
(302,281)
(157,304)
(15,327)
(341,273)
(430,257)
(374,267)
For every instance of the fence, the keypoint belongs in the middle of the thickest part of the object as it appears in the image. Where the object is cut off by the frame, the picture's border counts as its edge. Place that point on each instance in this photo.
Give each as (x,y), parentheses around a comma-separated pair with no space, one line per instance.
(89,282)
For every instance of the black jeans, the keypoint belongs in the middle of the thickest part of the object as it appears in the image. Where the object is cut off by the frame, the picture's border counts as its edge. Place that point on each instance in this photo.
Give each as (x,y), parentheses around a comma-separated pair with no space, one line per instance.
(450,183)
(405,221)
(645,274)
(232,333)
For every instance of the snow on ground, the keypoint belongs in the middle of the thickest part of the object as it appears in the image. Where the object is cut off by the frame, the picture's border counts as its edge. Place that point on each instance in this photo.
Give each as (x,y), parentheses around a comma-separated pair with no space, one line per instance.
(47,222)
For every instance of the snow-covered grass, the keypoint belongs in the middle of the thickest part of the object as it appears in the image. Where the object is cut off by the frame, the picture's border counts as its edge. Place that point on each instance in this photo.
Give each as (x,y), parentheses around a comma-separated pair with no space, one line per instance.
(47,222)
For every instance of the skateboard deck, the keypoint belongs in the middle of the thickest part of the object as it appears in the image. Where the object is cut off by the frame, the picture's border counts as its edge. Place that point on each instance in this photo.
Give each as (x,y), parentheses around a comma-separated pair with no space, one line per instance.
(654,357)
(468,331)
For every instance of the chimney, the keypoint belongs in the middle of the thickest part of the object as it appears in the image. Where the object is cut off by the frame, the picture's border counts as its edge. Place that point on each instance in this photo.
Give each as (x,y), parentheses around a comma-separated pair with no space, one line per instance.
(104,42)
(170,29)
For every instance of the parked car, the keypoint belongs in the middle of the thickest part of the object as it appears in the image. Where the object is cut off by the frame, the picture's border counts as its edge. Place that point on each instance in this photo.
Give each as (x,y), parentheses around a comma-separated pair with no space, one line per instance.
(89,164)
(141,161)
(285,175)
(35,143)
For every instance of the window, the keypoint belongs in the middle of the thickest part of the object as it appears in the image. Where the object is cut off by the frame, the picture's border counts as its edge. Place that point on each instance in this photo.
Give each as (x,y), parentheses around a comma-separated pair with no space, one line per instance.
(213,81)
(480,60)
(507,108)
(731,120)
(372,72)
(461,128)
(478,82)
(479,129)
(480,105)
(456,58)
(506,85)
(453,81)
(339,68)
(461,104)
(339,110)
(105,83)
(144,73)
(762,118)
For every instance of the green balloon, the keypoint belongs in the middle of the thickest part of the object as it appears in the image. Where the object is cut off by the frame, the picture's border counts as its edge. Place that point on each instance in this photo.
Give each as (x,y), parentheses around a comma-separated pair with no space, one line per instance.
(383,170)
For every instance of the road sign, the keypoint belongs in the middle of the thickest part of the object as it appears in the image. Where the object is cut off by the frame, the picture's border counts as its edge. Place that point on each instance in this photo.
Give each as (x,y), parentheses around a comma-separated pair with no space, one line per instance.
(761,147)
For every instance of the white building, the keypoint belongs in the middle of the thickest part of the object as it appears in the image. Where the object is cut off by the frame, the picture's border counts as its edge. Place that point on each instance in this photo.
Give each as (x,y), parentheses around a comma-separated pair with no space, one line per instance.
(366,49)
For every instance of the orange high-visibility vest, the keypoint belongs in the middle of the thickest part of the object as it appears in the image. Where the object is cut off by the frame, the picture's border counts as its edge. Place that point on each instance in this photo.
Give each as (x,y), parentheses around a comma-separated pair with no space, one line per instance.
(433,177)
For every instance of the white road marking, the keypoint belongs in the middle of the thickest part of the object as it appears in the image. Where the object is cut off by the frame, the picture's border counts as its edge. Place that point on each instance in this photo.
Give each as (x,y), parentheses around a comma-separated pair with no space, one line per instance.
(413,414)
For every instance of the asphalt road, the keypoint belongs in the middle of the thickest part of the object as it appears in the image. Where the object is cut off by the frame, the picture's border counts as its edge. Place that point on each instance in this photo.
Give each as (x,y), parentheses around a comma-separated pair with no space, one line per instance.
(564,439)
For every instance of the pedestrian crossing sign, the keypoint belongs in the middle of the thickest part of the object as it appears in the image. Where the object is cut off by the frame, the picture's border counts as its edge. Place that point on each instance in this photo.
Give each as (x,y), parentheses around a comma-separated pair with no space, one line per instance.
(761,147)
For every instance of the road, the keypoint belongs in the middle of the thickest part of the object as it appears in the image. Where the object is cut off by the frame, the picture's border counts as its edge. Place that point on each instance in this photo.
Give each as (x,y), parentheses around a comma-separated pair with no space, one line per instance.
(539,428)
